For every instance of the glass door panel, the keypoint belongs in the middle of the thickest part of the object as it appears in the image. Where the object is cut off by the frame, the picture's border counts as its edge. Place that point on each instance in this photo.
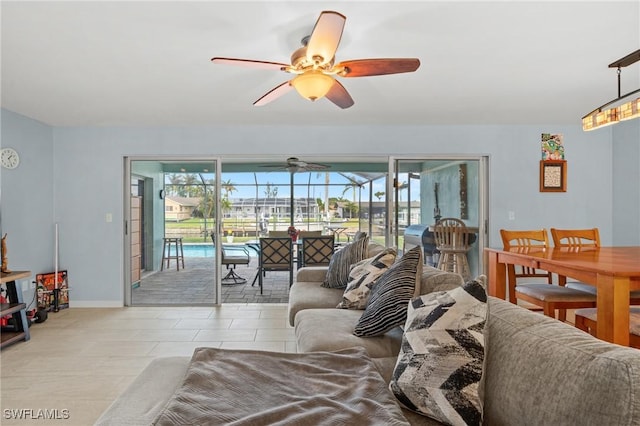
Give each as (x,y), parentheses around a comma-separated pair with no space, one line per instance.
(428,189)
(170,231)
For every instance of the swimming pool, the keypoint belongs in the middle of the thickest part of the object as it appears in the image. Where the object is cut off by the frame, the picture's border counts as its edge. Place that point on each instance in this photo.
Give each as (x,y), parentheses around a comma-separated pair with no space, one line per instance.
(204,250)
(198,250)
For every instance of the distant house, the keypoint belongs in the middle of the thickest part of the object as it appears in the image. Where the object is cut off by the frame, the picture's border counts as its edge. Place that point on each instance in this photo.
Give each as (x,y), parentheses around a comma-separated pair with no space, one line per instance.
(179,208)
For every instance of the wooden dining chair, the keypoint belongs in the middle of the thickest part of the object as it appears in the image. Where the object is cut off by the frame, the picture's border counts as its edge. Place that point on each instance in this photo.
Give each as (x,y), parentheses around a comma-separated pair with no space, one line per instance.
(276,254)
(576,239)
(586,320)
(548,296)
(524,241)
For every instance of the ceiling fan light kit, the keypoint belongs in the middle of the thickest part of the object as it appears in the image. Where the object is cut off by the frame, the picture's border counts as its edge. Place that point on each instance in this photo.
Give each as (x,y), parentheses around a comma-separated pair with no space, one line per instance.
(601,117)
(315,68)
(312,84)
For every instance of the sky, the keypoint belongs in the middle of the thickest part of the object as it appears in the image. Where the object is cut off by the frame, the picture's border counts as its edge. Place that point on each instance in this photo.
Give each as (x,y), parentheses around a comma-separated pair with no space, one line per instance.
(245,185)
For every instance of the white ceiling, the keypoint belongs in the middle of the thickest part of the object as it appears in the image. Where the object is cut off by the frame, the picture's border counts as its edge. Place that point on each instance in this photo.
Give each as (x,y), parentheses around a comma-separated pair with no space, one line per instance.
(148,63)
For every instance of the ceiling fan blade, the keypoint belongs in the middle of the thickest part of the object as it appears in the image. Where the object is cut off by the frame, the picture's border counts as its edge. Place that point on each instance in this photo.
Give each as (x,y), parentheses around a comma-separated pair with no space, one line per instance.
(314,167)
(325,37)
(368,67)
(250,63)
(339,95)
(274,93)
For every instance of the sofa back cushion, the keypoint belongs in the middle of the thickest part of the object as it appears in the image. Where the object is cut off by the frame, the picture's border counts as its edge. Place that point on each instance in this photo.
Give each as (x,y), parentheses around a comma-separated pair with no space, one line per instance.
(434,279)
(541,371)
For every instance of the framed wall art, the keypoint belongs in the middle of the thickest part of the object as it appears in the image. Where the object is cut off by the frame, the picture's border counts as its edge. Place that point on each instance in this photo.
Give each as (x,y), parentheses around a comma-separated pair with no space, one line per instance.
(553,176)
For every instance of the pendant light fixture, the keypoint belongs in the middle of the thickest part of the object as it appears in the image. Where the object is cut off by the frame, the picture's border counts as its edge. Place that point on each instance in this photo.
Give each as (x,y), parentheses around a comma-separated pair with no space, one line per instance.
(601,116)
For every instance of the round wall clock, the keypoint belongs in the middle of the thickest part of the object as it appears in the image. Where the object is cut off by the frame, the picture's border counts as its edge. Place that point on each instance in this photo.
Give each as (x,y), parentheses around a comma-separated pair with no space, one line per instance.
(10,158)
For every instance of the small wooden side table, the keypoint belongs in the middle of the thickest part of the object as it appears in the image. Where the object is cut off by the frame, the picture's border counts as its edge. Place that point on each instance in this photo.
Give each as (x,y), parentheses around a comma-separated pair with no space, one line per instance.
(16,308)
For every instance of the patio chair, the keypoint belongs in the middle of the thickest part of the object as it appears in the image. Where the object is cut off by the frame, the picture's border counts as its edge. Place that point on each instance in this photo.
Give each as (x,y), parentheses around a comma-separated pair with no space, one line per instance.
(276,254)
(231,256)
(317,251)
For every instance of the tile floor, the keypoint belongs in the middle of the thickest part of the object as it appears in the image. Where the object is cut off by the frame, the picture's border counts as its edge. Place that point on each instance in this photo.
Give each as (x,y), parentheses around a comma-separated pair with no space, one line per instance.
(80,360)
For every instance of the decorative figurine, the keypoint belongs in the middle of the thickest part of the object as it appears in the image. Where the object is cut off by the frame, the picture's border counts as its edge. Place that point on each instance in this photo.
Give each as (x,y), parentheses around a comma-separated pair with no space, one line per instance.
(5,262)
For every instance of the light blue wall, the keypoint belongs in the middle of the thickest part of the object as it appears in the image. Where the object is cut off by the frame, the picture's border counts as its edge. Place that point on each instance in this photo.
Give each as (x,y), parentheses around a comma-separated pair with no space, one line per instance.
(27,196)
(84,181)
(626,187)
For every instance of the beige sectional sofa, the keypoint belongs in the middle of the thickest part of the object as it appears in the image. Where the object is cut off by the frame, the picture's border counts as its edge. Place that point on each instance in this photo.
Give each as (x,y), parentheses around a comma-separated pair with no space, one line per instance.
(312,310)
(537,371)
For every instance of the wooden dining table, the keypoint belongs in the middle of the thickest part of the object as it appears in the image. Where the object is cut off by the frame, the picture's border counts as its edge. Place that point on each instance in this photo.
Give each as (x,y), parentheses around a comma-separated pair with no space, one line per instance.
(614,271)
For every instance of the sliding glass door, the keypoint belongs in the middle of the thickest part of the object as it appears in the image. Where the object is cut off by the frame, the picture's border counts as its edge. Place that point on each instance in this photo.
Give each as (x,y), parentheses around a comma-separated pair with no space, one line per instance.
(428,189)
(171,216)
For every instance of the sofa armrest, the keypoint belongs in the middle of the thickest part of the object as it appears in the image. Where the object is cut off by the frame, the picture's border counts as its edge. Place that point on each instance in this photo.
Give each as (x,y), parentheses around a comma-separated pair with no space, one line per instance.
(312,274)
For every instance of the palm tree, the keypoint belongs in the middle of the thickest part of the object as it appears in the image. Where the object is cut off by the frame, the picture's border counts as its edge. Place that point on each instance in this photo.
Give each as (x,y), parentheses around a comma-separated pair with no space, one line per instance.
(352,203)
(190,182)
(175,184)
(228,187)
(207,205)
(379,194)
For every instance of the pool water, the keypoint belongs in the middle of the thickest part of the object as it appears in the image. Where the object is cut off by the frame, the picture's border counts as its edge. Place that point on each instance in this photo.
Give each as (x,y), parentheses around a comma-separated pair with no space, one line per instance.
(198,250)
(204,250)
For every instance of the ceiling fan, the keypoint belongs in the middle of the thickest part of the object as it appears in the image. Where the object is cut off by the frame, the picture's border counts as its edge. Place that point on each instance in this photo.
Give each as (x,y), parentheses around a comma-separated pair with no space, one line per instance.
(294,165)
(315,68)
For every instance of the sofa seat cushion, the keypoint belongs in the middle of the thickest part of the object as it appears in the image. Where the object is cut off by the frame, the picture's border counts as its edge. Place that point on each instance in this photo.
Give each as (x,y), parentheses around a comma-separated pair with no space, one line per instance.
(150,390)
(310,295)
(332,329)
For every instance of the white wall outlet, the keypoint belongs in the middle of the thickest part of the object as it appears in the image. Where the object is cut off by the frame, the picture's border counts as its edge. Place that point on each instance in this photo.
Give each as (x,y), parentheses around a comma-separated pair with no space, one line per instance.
(108,217)
(32,285)
(512,215)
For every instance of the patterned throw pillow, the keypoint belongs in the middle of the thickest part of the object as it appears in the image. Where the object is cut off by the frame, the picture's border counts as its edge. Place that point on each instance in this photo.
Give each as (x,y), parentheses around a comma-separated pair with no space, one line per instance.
(390,296)
(362,277)
(341,261)
(440,363)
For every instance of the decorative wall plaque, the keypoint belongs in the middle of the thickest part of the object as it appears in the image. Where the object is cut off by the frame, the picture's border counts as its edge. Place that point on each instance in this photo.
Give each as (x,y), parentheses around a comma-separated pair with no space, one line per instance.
(553,176)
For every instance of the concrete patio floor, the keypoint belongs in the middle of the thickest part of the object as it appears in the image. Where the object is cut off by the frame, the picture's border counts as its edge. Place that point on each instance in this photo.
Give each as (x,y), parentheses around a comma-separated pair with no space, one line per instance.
(194,285)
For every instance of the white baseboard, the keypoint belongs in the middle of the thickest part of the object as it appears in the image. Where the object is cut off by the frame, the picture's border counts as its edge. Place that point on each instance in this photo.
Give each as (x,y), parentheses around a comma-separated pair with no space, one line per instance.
(96,304)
